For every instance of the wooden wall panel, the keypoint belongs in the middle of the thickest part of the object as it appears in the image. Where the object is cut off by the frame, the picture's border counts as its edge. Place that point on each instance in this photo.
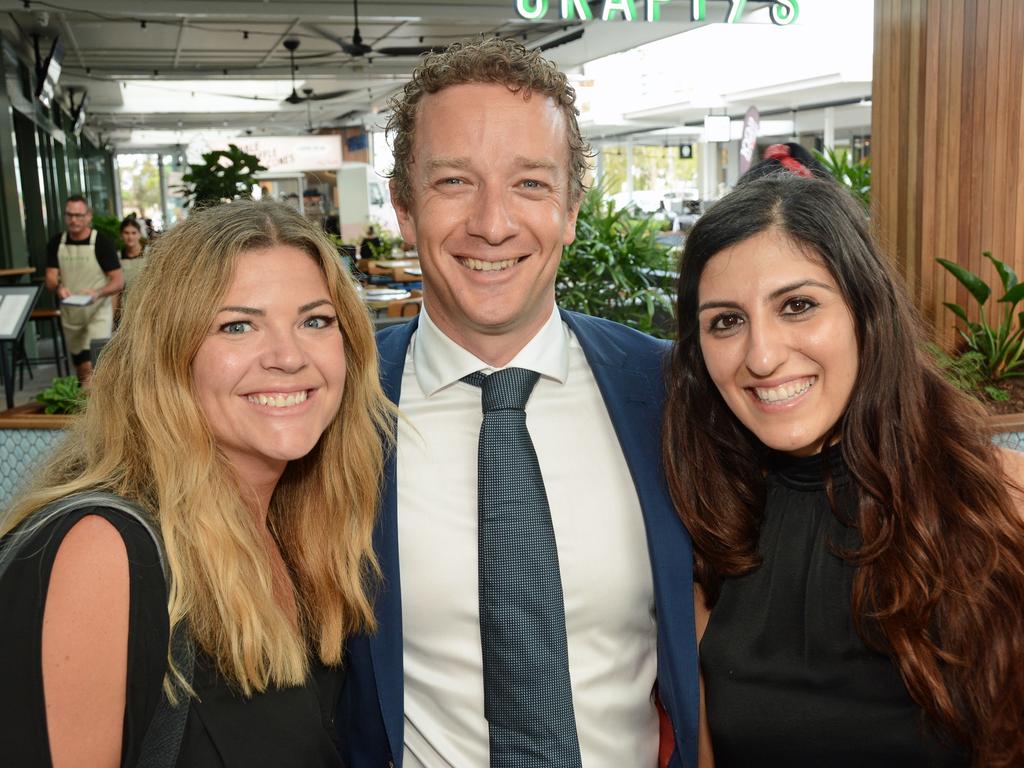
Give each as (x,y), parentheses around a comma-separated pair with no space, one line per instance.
(948,143)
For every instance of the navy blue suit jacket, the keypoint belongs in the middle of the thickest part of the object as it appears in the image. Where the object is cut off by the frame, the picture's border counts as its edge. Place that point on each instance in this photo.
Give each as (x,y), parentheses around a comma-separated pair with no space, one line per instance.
(628,368)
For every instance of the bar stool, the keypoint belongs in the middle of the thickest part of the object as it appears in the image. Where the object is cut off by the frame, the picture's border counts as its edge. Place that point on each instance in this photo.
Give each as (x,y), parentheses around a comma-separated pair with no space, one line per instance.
(48,319)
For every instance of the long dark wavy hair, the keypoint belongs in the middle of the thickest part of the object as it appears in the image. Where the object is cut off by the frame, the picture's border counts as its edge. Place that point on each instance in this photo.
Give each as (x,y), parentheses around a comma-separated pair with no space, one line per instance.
(939,583)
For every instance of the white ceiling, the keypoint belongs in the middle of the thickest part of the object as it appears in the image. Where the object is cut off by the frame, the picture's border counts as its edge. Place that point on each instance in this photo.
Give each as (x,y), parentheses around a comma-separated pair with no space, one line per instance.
(200,50)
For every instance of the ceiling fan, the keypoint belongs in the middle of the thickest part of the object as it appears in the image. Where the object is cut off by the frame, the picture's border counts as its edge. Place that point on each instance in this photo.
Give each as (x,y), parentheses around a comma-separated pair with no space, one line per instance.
(293,98)
(357,48)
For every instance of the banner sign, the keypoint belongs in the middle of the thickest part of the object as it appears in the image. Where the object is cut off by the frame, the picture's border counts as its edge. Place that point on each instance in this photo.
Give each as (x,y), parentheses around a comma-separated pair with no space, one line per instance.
(748,143)
(285,154)
(781,12)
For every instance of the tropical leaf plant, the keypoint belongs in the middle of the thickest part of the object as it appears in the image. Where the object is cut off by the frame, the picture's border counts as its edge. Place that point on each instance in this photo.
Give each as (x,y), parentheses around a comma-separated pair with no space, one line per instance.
(64,395)
(1001,346)
(223,175)
(616,268)
(109,225)
(854,175)
(967,372)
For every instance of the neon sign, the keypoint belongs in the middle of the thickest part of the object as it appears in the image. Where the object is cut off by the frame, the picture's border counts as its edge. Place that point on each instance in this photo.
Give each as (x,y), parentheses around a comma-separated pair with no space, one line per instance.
(781,12)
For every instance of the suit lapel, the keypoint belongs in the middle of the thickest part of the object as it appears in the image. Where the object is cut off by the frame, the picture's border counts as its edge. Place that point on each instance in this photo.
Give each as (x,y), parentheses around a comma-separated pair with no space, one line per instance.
(386,643)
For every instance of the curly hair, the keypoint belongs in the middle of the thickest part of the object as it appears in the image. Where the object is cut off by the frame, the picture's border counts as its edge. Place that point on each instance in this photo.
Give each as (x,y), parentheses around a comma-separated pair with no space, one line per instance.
(485,60)
(940,570)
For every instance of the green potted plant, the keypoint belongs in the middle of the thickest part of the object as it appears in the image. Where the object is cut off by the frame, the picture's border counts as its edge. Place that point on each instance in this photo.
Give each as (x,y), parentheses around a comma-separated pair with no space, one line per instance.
(223,175)
(991,354)
(617,269)
(854,175)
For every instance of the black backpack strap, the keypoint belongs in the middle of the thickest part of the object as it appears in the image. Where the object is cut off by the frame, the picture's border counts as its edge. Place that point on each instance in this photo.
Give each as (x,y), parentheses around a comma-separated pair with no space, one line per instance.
(162,742)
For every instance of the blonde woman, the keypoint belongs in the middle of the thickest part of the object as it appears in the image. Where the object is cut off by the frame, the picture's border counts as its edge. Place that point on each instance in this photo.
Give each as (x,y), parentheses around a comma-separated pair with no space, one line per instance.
(239,405)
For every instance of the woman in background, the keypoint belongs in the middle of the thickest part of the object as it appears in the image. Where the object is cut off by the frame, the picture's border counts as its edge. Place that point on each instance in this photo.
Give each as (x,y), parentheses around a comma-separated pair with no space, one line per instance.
(239,405)
(133,250)
(132,256)
(859,543)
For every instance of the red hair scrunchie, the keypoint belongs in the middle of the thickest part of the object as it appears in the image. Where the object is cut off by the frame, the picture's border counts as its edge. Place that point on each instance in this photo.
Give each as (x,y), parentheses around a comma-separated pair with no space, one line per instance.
(781,153)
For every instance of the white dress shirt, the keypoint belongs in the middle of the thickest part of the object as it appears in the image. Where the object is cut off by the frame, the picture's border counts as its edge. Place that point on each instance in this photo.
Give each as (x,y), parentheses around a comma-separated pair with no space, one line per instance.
(602,553)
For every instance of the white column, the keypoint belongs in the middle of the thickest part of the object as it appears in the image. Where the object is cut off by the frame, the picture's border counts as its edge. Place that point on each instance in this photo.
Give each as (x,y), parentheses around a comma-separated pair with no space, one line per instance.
(830,127)
(708,170)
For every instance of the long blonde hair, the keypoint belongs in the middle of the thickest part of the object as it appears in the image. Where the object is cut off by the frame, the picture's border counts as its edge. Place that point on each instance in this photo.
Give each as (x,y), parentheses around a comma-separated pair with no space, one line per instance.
(143,436)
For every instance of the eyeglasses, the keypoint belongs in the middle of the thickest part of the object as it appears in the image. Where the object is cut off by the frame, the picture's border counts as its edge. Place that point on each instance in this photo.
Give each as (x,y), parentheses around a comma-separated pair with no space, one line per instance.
(75,215)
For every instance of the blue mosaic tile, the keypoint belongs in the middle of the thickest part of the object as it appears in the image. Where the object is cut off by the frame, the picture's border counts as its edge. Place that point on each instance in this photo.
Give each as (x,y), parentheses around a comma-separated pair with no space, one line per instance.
(22,452)
(1011,440)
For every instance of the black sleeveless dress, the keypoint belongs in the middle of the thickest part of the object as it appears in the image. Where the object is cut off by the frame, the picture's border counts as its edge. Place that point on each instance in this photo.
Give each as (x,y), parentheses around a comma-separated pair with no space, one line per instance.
(788,681)
(281,727)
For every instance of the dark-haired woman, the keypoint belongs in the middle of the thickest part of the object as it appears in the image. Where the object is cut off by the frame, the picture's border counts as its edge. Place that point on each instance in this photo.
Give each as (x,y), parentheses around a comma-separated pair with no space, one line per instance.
(132,256)
(860,545)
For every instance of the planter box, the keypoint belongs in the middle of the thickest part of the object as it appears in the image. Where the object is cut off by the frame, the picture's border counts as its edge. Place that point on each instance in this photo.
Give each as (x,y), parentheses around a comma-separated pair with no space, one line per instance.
(27,437)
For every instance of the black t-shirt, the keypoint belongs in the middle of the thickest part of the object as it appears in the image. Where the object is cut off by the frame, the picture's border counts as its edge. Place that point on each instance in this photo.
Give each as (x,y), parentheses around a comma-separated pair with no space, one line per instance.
(280,727)
(106,251)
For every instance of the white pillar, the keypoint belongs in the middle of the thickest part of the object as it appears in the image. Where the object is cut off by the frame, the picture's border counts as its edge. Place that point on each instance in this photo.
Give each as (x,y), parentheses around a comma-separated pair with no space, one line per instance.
(708,170)
(830,127)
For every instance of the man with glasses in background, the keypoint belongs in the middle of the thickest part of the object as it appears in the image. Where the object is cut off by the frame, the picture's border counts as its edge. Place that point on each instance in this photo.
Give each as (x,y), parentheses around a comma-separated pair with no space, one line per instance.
(82,268)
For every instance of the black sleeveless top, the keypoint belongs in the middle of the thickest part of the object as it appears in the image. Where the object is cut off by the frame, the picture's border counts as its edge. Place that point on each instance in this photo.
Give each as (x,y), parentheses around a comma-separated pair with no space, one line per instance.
(788,681)
(290,726)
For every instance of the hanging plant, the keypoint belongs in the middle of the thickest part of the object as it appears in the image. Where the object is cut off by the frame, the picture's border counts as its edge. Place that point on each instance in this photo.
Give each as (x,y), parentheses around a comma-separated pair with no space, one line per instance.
(222,176)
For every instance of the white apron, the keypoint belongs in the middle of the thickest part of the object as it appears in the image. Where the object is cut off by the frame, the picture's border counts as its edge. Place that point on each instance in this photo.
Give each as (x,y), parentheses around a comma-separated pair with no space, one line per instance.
(79,272)
(131,269)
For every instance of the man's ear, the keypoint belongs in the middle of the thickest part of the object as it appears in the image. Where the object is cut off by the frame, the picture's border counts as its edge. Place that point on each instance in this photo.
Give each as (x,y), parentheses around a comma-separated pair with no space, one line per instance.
(406,220)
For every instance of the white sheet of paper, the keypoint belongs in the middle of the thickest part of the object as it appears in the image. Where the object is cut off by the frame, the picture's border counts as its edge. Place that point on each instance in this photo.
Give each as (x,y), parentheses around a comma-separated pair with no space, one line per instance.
(11,307)
(77,300)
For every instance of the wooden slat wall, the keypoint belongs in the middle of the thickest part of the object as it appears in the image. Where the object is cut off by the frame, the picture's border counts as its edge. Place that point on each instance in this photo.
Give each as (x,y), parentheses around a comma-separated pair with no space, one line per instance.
(948,143)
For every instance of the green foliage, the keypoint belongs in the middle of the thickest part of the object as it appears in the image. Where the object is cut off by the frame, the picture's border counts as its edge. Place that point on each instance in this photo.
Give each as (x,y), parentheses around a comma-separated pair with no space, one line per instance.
(140,182)
(616,268)
(1002,346)
(968,373)
(855,176)
(387,243)
(109,226)
(64,395)
(223,175)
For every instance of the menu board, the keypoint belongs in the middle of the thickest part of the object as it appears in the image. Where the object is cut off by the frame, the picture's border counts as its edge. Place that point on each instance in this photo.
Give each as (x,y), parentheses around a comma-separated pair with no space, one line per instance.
(16,302)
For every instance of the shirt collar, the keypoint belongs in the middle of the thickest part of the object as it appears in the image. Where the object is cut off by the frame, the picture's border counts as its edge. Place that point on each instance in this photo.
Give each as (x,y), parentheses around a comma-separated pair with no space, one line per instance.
(440,362)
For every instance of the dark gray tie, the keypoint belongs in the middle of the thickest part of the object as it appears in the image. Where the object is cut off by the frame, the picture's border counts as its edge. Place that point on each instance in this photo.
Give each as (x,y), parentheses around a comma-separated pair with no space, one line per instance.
(527,695)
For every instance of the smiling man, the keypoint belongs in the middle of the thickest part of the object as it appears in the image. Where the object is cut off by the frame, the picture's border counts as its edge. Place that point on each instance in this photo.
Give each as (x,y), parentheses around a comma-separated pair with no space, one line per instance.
(536,605)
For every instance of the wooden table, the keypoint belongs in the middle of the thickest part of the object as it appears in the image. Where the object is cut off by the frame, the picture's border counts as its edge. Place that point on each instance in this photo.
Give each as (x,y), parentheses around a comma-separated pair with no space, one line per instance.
(11,275)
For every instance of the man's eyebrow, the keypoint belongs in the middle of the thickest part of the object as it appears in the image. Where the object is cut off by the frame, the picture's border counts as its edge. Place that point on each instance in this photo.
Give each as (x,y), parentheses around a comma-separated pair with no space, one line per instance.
(543,163)
(437,163)
(461,163)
